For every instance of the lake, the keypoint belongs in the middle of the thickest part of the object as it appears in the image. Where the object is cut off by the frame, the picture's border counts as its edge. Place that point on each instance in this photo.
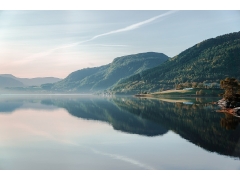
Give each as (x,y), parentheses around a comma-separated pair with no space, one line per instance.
(80,132)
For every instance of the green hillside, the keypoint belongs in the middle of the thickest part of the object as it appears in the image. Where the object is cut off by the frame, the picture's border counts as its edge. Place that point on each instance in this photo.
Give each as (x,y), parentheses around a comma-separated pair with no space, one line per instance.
(101,78)
(208,61)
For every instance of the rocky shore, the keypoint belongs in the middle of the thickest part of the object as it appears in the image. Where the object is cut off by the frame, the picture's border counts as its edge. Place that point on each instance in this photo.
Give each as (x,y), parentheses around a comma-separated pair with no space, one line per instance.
(229,107)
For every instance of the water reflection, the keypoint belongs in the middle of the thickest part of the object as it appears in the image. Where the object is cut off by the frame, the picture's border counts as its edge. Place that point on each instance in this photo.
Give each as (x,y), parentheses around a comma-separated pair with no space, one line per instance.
(8,107)
(107,111)
(230,122)
(196,122)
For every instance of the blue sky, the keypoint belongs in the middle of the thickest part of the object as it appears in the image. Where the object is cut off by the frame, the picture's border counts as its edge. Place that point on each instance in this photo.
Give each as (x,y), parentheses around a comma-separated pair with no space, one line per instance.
(56,43)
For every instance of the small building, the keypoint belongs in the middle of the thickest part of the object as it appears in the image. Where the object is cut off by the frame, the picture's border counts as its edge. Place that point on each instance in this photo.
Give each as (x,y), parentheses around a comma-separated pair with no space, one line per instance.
(187,88)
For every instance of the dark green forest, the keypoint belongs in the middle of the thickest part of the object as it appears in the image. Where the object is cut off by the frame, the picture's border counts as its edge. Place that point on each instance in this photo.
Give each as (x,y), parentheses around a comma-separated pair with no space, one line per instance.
(209,61)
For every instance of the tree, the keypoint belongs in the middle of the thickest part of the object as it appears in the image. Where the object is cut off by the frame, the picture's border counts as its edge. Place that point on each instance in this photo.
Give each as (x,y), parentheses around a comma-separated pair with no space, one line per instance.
(179,86)
(200,85)
(194,84)
(231,87)
(201,92)
(197,92)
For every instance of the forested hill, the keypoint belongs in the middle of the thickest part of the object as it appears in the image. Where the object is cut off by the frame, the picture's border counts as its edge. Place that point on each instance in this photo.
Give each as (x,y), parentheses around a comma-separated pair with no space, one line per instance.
(101,78)
(211,60)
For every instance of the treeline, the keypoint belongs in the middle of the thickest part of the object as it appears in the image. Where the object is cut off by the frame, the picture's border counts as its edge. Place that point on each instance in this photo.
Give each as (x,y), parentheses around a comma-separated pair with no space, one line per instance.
(231,93)
(205,85)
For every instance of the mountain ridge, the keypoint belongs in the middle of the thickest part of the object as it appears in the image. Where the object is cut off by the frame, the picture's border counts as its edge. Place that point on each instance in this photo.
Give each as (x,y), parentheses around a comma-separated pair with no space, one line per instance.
(9,82)
(104,77)
(20,82)
(216,57)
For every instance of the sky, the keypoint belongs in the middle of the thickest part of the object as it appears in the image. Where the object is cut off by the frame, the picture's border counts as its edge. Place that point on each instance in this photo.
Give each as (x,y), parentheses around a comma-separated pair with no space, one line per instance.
(56,43)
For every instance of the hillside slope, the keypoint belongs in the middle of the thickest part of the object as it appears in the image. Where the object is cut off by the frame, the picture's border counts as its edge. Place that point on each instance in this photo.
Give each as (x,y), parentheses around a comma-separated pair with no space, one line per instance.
(211,60)
(101,78)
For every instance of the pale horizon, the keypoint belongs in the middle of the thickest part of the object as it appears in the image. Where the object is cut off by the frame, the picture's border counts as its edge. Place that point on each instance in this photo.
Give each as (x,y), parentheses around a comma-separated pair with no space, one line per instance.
(56,43)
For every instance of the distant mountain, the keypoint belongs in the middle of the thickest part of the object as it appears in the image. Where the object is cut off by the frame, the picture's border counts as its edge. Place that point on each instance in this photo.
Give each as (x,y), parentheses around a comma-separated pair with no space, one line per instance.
(211,60)
(9,82)
(100,78)
(27,81)
(38,81)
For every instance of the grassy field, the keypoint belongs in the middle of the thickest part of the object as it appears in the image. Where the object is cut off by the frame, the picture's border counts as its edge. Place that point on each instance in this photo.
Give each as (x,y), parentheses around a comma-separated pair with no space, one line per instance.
(173,91)
(190,92)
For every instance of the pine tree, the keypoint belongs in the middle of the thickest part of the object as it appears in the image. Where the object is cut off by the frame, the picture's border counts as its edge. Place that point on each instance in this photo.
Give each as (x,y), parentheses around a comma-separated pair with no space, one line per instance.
(231,87)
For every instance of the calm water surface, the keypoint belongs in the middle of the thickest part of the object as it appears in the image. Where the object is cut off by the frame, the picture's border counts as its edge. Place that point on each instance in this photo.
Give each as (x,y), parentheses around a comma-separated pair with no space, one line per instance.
(87,132)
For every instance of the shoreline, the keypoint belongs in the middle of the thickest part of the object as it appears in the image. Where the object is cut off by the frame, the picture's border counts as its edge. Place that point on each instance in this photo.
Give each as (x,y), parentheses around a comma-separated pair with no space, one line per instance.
(176,96)
(233,111)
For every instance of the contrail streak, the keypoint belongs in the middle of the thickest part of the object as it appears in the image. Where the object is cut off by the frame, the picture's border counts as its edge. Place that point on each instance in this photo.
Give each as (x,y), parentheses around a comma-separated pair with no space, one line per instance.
(128,28)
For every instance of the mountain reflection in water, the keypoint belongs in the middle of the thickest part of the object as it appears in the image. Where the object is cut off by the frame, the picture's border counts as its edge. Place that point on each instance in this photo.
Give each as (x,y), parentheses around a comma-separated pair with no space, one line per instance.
(195,122)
